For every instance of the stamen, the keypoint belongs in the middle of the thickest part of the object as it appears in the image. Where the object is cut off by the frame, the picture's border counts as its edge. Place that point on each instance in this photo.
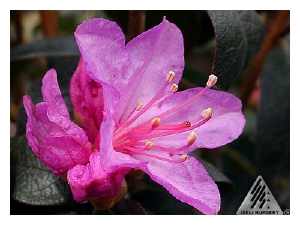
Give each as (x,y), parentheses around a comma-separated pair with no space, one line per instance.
(174,88)
(183,157)
(137,139)
(155,122)
(149,145)
(180,126)
(170,76)
(191,138)
(206,113)
(212,80)
(141,131)
(138,106)
(170,130)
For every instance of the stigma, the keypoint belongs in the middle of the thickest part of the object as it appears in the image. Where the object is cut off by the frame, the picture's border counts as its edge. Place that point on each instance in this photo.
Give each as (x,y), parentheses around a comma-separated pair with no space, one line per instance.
(142,138)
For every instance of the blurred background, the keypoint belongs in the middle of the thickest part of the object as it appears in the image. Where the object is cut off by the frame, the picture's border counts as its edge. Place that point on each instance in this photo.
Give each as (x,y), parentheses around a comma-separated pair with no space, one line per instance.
(41,39)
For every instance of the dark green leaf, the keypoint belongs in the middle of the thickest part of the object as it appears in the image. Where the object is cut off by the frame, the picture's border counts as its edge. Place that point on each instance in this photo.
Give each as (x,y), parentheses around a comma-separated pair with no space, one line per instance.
(80,209)
(31,181)
(224,184)
(237,160)
(273,129)
(65,67)
(57,46)
(18,208)
(158,201)
(239,35)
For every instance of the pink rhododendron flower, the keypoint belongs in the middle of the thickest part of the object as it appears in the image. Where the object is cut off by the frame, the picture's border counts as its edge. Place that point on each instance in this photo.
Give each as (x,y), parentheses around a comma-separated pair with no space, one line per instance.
(145,123)
(132,117)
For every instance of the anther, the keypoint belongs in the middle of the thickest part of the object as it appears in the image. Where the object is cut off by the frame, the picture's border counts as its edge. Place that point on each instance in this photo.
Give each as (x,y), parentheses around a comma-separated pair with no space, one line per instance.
(138,106)
(191,138)
(155,122)
(212,80)
(206,113)
(170,76)
(174,88)
(183,157)
(149,145)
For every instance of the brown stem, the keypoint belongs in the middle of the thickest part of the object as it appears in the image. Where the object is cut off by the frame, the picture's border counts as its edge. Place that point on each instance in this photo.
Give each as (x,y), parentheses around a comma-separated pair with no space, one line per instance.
(270,41)
(49,22)
(136,23)
(17,20)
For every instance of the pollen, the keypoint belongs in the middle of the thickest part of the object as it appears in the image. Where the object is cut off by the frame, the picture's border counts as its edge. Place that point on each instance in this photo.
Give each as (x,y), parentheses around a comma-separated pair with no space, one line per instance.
(149,145)
(183,157)
(191,138)
(138,106)
(212,80)
(170,76)
(174,88)
(155,122)
(206,113)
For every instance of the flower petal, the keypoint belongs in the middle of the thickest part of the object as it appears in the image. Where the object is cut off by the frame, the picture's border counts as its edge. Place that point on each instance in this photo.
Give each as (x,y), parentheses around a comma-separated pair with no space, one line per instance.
(226,124)
(87,100)
(153,54)
(102,47)
(110,158)
(103,175)
(190,184)
(58,142)
(93,181)
(52,94)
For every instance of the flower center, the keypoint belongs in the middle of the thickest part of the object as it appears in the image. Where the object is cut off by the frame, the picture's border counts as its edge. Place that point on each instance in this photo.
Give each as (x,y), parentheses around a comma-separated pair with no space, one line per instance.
(139,139)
